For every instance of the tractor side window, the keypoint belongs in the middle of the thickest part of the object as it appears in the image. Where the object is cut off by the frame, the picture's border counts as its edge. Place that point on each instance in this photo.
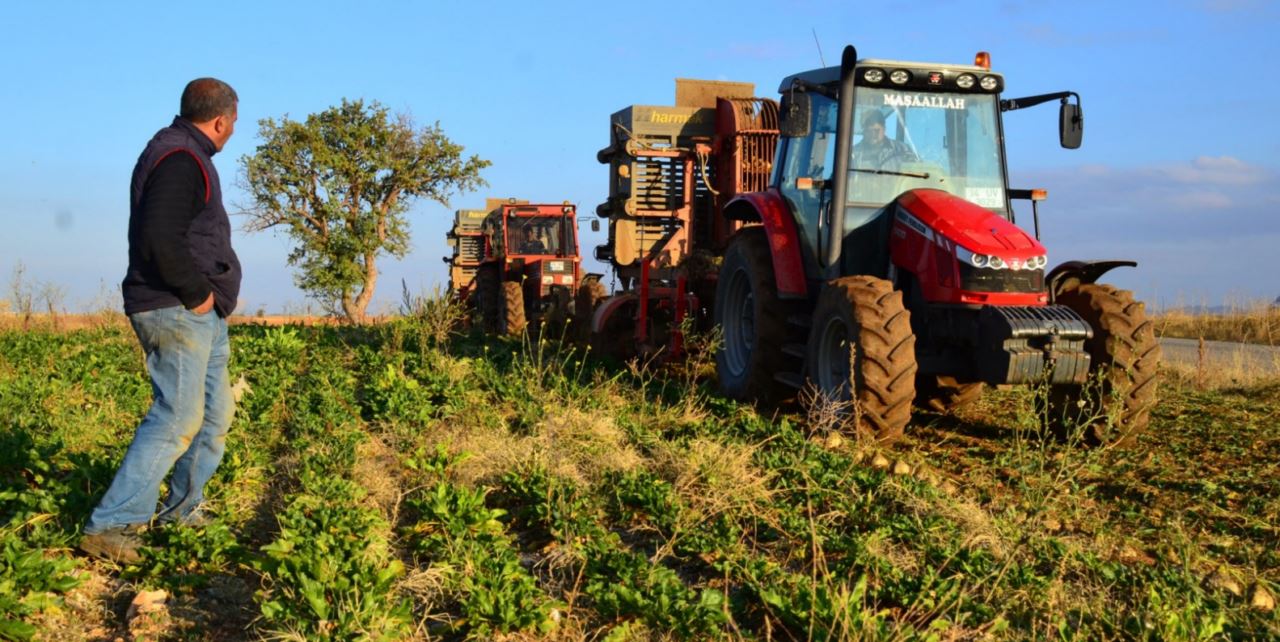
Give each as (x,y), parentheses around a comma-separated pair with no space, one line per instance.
(813,155)
(809,162)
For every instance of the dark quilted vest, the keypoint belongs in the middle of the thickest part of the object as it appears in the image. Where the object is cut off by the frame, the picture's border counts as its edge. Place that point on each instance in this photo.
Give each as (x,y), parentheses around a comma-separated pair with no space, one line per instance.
(209,236)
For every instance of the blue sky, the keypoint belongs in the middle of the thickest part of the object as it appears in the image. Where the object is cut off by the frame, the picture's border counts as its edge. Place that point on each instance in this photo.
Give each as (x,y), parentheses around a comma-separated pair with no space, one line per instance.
(1180,167)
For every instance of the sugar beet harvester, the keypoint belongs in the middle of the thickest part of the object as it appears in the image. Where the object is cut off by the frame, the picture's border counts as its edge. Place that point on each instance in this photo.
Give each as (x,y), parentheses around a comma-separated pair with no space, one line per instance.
(926,290)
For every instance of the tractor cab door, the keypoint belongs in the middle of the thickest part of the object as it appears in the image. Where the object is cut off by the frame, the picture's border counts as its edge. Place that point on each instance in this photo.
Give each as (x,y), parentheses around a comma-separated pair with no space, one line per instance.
(805,181)
(806,167)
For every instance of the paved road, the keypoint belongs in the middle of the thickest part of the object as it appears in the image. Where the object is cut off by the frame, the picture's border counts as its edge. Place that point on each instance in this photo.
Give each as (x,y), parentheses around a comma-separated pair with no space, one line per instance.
(1223,354)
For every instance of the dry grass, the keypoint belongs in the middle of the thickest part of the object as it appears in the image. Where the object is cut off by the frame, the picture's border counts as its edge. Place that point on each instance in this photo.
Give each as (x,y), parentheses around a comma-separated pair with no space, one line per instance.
(1257,323)
(1234,373)
(570,443)
(66,322)
(378,471)
(59,322)
(716,477)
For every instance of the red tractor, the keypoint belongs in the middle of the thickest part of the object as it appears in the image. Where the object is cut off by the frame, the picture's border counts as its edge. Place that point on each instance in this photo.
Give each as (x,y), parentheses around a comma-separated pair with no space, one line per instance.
(881,267)
(530,270)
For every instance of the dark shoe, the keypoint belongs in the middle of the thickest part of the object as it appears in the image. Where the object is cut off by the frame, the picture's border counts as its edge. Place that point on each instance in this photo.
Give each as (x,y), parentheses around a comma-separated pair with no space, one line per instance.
(121,545)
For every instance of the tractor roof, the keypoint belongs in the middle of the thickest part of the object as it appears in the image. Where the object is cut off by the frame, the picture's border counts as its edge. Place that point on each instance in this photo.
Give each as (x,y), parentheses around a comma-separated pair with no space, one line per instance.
(831,75)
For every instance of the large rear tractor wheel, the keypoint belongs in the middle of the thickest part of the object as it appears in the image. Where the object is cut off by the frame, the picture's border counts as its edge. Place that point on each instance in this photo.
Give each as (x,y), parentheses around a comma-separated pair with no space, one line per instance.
(589,295)
(512,321)
(942,394)
(487,298)
(752,320)
(1114,406)
(861,355)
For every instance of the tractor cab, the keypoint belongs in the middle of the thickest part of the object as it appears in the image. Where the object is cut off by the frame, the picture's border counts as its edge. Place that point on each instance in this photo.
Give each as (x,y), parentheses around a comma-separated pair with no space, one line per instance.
(907,131)
(912,125)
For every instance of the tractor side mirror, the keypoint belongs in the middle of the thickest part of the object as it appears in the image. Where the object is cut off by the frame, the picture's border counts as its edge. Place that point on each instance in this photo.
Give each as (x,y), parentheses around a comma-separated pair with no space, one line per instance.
(1070,125)
(796,110)
(595,226)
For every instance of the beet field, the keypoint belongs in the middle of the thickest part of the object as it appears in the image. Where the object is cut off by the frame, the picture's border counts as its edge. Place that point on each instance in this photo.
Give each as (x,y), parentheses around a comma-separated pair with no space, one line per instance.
(402,482)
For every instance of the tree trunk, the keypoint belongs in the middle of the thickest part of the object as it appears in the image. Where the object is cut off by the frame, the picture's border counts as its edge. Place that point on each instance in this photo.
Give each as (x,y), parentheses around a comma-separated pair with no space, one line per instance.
(349,309)
(355,310)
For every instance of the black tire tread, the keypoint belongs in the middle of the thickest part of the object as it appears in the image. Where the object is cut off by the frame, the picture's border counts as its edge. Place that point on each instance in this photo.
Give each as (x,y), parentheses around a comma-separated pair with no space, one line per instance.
(1125,350)
(885,361)
(770,319)
(512,309)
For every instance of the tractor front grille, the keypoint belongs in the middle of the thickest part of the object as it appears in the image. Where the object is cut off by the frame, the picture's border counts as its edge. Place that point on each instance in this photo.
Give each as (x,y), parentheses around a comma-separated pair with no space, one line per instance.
(974,279)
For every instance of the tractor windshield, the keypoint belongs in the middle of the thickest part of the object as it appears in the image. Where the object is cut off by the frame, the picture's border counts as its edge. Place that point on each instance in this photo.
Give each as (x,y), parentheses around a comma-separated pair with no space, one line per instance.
(540,235)
(904,140)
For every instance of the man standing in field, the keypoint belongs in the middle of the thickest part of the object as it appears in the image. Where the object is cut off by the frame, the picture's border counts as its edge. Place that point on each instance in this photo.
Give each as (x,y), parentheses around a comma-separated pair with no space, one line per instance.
(182,282)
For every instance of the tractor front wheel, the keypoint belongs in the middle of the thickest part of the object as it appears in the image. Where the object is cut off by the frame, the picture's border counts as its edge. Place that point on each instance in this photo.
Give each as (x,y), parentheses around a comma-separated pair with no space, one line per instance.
(861,355)
(512,320)
(1114,406)
(751,318)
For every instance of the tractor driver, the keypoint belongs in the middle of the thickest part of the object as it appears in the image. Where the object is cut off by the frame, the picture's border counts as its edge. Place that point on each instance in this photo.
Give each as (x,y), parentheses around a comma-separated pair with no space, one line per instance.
(531,244)
(877,151)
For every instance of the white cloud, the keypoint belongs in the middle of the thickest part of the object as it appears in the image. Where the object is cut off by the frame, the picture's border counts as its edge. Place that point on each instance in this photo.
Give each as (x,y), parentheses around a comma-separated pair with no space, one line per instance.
(1218,170)
(1199,200)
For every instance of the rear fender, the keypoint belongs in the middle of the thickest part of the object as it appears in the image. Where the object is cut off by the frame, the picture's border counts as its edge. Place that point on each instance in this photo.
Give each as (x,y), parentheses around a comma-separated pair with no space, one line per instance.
(616,304)
(1076,273)
(772,212)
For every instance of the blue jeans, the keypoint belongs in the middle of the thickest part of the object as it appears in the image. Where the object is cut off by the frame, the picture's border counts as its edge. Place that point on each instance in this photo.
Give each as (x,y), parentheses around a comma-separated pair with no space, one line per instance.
(186,428)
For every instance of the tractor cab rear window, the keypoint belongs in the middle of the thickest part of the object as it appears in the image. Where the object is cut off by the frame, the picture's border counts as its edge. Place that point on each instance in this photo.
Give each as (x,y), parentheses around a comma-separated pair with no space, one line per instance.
(540,235)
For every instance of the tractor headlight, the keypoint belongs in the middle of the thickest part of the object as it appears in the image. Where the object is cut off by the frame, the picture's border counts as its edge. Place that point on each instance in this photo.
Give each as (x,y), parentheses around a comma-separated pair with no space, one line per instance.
(997,263)
(899,76)
(965,81)
(976,260)
(873,75)
(989,83)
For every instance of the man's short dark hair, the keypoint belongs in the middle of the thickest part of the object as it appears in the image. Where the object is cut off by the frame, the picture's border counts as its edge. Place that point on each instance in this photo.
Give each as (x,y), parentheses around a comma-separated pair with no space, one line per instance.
(873,117)
(207,98)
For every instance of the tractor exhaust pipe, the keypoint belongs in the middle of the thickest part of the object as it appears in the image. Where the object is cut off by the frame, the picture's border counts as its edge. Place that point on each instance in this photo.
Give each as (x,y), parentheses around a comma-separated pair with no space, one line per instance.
(844,136)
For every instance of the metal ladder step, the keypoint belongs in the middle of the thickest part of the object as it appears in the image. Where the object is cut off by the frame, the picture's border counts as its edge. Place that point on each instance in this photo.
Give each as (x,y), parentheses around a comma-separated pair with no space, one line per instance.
(800,320)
